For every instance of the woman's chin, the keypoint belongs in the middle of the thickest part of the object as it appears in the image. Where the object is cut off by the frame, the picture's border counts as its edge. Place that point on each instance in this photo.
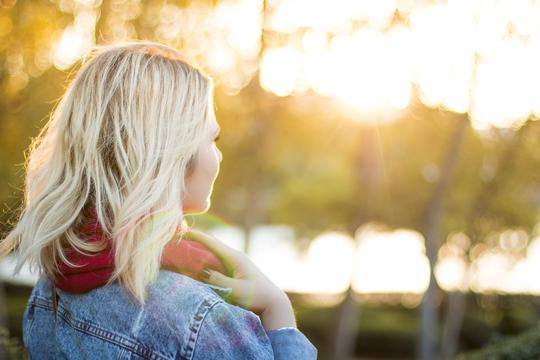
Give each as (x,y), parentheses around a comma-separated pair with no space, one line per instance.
(199,209)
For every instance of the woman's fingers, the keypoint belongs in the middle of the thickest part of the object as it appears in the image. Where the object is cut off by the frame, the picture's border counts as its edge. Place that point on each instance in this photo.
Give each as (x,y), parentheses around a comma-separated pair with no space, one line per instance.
(251,289)
(242,294)
(218,279)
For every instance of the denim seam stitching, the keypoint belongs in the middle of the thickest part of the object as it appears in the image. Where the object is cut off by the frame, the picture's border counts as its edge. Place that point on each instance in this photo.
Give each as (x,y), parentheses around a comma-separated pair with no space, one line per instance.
(29,317)
(93,330)
(196,323)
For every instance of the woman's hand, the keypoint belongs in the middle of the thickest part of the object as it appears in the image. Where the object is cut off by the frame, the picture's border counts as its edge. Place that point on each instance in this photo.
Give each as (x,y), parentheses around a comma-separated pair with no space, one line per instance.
(251,288)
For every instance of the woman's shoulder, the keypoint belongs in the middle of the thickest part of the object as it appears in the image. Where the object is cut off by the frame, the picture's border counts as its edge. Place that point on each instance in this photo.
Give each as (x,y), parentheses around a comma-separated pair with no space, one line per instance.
(168,322)
(172,289)
(182,318)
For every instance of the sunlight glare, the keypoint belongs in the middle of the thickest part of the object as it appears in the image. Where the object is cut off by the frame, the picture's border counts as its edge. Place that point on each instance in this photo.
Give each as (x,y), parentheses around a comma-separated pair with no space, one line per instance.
(500,272)
(325,268)
(523,15)
(69,49)
(272,248)
(280,68)
(443,55)
(450,273)
(501,93)
(368,73)
(328,264)
(25,276)
(491,272)
(232,236)
(391,262)
(458,53)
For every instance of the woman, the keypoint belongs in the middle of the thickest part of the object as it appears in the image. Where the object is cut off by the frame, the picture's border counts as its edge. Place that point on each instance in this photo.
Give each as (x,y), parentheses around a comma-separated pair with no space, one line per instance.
(133,137)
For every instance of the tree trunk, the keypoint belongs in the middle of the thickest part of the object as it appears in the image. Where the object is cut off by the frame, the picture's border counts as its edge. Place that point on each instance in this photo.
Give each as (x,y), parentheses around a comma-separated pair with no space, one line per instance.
(452,325)
(345,333)
(432,231)
(455,310)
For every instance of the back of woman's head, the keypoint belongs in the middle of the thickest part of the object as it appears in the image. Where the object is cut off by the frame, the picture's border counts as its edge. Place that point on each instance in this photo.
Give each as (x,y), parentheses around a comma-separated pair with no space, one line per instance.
(121,141)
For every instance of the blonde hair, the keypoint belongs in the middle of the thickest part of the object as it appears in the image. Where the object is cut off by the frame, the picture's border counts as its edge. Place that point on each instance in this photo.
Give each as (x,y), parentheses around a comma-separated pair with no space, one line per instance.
(122,140)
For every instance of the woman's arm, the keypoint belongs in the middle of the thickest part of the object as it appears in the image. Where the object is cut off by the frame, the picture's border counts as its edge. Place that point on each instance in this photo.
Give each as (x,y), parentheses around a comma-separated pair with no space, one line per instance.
(251,288)
(278,315)
(254,291)
(229,332)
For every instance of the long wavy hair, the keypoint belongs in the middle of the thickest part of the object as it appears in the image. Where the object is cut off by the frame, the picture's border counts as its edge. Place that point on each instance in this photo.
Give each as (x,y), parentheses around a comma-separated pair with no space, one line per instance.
(121,141)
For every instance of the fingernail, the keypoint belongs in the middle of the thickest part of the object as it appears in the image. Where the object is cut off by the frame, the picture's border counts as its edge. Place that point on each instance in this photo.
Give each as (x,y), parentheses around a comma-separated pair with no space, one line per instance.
(206,274)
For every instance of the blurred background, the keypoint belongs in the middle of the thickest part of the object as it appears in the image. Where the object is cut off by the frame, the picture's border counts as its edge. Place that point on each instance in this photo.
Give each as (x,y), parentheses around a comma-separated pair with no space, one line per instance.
(381,157)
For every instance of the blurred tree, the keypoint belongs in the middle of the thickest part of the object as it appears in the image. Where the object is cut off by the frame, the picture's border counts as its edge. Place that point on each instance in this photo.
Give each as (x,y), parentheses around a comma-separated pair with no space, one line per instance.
(492,209)
(301,160)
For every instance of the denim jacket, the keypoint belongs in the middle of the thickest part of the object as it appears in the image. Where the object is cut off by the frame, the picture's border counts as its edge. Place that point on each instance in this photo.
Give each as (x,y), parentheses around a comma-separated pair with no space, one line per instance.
(182,319)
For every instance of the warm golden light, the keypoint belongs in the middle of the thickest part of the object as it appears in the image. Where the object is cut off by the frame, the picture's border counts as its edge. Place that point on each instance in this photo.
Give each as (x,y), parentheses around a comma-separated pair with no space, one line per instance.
(76,40)
(459,54)
(378,262)
(280,68)
(469,57)
(391,262)
(328,264)
(452,269)
(325,268)
(499,270)
(70,48)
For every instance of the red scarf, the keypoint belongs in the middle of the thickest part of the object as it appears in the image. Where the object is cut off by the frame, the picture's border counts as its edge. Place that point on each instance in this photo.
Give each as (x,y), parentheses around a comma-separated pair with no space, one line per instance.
(188,257)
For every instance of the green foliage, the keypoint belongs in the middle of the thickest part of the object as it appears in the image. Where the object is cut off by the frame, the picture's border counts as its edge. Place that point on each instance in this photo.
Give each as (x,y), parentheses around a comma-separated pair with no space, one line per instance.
(11,347)
(521,347)
(302,161)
